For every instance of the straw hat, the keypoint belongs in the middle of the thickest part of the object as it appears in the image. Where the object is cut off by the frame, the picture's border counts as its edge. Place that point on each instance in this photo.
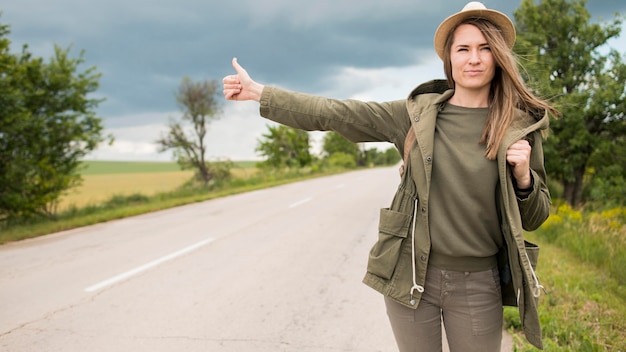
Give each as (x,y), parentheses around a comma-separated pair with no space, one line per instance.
(474,9)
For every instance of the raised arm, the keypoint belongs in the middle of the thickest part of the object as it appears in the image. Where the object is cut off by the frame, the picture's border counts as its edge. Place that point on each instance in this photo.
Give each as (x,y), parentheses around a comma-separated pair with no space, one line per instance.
(356,120)
(240,86)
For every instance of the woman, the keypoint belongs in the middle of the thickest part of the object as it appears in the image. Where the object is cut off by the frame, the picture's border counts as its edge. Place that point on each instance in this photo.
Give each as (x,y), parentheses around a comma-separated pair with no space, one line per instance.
(450,246)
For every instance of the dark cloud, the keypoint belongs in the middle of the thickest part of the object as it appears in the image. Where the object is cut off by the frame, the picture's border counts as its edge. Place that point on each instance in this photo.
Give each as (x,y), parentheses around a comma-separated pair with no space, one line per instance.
(144,48)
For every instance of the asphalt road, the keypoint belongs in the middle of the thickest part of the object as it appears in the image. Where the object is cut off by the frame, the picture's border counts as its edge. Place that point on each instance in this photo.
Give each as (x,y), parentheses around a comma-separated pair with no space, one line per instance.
(272,270)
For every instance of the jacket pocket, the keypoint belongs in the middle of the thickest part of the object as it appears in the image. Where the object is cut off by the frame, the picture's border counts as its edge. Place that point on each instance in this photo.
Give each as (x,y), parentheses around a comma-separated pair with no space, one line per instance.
(509,295)
(392,231)
(533,253)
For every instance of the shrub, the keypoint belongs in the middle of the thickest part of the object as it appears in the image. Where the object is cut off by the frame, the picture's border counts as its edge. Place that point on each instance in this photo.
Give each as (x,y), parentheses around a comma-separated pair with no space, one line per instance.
(341,160)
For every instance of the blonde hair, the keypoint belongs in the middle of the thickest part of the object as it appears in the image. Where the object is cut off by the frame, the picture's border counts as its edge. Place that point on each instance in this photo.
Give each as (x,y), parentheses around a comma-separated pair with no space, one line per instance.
(507,92)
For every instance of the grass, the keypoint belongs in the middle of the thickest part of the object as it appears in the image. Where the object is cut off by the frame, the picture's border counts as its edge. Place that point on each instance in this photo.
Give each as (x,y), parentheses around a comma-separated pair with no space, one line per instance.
(596,237)
(585,308)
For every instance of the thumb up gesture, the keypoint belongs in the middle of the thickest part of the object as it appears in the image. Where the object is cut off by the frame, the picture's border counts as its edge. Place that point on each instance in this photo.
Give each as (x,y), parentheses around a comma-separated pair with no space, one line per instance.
(240,86)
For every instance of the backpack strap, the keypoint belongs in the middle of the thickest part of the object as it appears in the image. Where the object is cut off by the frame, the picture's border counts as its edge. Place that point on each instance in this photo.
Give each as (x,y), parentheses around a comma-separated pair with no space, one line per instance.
(409,140)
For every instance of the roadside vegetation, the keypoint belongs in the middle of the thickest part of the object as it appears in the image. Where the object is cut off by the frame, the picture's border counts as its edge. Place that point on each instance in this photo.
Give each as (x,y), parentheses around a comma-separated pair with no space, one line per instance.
(583,268)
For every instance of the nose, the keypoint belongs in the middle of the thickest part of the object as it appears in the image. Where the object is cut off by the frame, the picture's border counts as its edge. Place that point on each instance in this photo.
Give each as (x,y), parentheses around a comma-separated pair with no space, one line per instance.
(475,57)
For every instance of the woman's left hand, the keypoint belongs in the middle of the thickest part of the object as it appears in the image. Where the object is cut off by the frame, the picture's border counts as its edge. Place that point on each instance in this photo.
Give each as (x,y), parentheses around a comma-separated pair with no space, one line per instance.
(518,156)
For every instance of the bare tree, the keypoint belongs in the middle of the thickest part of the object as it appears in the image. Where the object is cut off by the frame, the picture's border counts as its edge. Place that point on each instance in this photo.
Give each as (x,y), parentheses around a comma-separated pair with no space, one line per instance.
(199,104)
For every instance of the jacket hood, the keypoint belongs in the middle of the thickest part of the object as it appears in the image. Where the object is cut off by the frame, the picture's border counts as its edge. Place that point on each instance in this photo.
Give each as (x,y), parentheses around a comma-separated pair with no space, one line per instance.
(437,86)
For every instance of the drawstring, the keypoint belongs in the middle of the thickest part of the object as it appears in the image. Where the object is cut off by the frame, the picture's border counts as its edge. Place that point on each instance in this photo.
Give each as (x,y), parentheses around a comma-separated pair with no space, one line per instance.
(538,286)
(415,286)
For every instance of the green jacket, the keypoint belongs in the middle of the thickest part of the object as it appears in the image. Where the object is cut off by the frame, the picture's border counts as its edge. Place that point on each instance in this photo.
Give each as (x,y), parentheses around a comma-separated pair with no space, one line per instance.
(397,262)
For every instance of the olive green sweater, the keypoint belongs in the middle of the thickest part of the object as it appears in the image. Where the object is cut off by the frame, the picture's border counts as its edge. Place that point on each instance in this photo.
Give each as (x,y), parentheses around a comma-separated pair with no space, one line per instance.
(468,238)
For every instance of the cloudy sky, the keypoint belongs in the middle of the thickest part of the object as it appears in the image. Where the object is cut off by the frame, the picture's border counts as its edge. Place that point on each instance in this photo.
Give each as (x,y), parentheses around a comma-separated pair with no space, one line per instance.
(364,49)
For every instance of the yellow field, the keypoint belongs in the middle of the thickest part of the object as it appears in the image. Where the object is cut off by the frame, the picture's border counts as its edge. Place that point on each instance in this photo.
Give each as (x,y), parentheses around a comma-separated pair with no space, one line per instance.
(98,188)
(101,187)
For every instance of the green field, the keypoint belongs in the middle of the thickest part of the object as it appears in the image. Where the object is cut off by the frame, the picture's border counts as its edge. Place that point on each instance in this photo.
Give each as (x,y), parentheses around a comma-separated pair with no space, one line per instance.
(91,167)
(126,167)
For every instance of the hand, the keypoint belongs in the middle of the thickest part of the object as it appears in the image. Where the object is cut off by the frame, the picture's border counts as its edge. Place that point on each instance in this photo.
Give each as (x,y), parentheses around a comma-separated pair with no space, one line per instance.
(518,156)
(240,86)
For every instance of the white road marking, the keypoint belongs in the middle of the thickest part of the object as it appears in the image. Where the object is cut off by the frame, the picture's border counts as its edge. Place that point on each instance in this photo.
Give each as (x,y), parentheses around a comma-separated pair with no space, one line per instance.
(147,266)
(300,202)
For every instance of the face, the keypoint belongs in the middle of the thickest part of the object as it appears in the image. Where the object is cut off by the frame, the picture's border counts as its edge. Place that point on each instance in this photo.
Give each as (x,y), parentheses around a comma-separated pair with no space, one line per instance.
(473,66)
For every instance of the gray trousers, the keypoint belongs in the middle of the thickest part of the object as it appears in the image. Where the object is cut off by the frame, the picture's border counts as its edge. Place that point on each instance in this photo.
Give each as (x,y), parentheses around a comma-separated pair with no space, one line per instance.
(468,303)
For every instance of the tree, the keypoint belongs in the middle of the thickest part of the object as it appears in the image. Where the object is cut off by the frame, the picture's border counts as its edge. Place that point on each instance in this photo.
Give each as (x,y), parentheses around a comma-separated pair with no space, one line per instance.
(389,157)
(199,104)
(47,125)
(560,50)
(333,143)
(339,151)
(351,154)
(285,147)
(608,174)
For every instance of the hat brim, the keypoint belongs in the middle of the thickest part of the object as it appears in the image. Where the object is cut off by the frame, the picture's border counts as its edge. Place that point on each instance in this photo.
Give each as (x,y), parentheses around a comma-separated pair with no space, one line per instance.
(501,20)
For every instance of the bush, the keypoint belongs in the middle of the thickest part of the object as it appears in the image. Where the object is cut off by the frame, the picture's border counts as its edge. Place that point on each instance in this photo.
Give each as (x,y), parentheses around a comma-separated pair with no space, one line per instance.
(609,191)
(340,159)
(121,200)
